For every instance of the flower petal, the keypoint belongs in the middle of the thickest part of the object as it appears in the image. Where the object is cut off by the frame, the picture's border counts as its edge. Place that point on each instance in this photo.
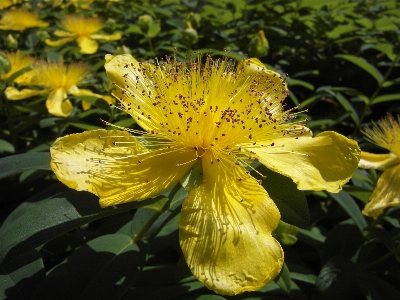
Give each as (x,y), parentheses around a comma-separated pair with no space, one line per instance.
(112,37)
(14,94)
(378,161)
(56,105)
(386,193)
(115,68)
(324,162)
(87,45)
(59,42)
(225,230)
(63,33)
(114,166)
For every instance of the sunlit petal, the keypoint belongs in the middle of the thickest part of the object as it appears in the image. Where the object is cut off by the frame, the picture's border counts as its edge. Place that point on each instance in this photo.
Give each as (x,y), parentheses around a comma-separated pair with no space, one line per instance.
(378,161)
(63,33)
(113,37)
(59,42)
(225,230)
(386,193)
(14,94)
(56,105)
(87,45)
(323,162)
(114,166)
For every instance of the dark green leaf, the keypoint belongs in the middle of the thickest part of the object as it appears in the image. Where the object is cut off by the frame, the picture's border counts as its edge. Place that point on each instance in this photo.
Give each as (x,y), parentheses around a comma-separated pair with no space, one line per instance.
(22,162)
(20,278)
(104,268)
(363,64)
(55,215)
(351,207)
(291,202)
(283,279)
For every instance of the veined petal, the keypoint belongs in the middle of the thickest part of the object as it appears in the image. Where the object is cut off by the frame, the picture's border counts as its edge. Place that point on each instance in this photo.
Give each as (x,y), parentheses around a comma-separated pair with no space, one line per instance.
(59,42)
(56,105)
(87,45)
(112,37)
(324,162)
(225,230)
(14,94)
(386,193)
(378,161)
(114,166)
(63,33)
(115,68)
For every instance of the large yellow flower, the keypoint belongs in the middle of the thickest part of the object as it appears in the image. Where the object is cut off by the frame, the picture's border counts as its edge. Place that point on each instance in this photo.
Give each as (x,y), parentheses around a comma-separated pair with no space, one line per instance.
(224,117)
(20,19)
(56,80)
(83,30)
(18,62)
(386,134)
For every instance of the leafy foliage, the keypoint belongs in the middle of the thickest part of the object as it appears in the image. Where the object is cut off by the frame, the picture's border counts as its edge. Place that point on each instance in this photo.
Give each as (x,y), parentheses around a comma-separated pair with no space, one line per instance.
(343,61)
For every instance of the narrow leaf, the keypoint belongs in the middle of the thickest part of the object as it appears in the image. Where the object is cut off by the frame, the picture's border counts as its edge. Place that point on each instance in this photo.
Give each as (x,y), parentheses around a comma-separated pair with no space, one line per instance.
(363,64)
(14,164)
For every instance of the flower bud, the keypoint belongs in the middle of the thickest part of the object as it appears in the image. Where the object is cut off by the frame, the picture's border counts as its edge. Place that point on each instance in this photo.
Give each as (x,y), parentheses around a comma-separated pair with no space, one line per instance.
(5,65)
(189,35)
(258,46)
(144,21)
(194,19)
(286,233)
(11,42)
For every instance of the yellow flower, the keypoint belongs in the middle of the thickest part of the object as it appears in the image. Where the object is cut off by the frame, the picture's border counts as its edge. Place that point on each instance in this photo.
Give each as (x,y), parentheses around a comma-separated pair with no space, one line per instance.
(20,19)
(57,80)
(7,3)
(225,117)
(18,62)
(83,30)
(385,134)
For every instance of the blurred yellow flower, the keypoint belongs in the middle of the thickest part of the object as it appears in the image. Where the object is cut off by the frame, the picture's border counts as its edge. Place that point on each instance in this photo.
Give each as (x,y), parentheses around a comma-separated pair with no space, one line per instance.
(20,19)
(222,116)
(57,81)
(83,30)
(18,62)
(7,3)
(386,134)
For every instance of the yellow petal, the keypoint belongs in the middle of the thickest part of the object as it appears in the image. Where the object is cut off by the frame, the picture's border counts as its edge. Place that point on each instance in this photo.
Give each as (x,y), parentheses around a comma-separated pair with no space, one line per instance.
(56,105)
(87,45)
(324,162)
(63,33)
(386,193)
(14,94)
(115,71)
(378,161)
(113,37)
(114,166)
(225,230)
(59,42)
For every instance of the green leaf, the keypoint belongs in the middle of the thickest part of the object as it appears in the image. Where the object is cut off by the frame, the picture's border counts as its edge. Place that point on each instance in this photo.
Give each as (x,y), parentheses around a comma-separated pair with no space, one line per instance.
(386,98)
(363,64)
(104,268)
(61,211)
(20,278)
(344,240)
(6,146)
(193,178)
(351,207)
(291,202)
(14,164)
(283,279)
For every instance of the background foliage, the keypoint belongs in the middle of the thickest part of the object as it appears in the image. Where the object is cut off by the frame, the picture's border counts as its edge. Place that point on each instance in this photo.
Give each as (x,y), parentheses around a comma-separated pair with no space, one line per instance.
(342,58)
